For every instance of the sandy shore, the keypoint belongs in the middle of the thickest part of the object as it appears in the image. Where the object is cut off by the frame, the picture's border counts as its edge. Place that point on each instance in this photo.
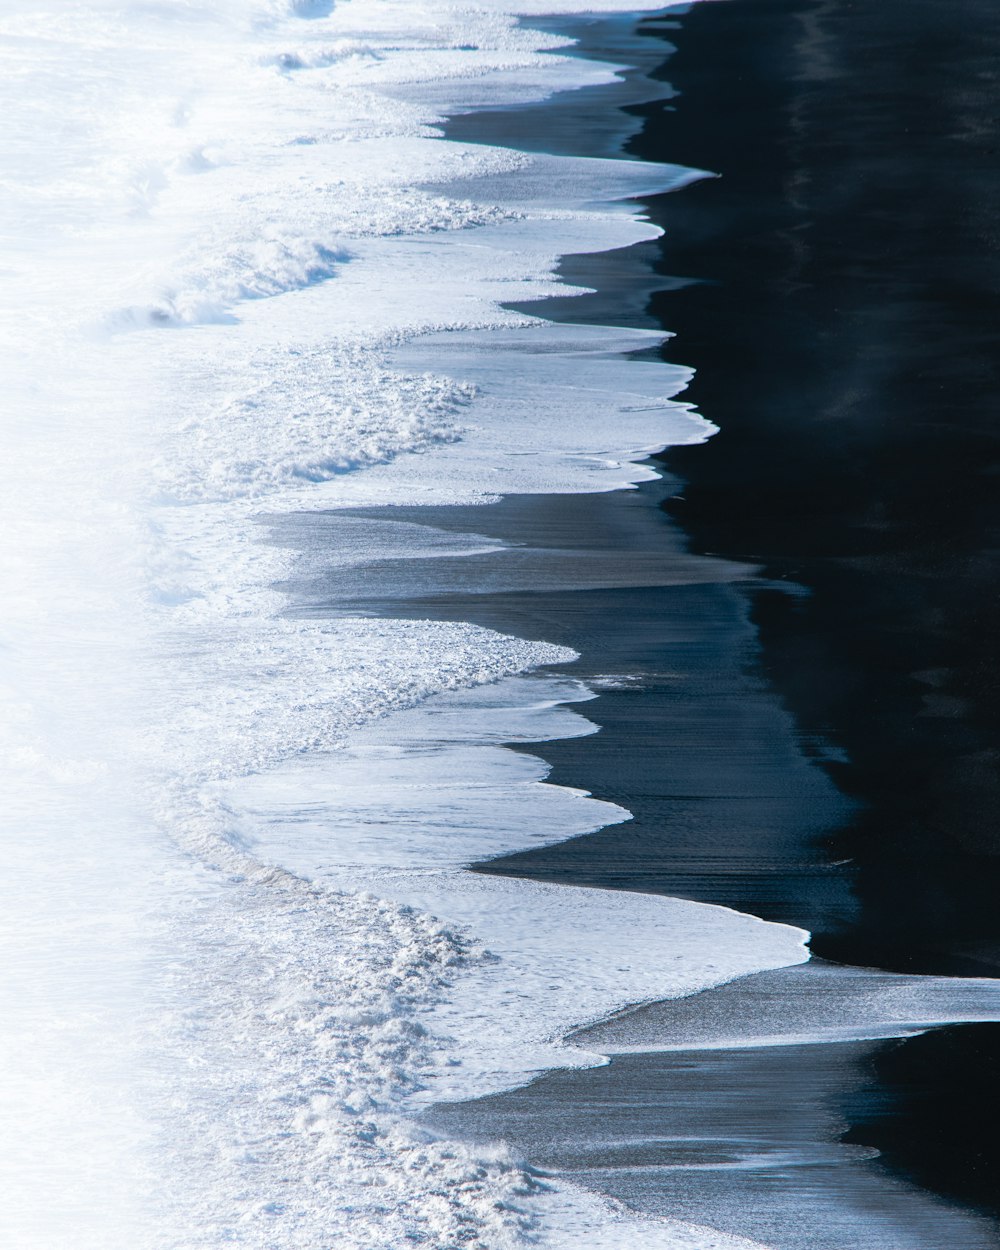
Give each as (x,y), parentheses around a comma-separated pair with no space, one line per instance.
(783,645)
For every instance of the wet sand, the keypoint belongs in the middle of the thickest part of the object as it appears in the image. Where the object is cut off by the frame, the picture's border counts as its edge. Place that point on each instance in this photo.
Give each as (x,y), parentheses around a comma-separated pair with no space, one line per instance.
(802,612)
(842,321)
(729,807)
(747,1141)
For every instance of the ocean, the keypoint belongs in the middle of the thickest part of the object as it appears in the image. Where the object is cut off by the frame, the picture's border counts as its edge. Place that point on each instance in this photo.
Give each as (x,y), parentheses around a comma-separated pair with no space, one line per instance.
(352,667)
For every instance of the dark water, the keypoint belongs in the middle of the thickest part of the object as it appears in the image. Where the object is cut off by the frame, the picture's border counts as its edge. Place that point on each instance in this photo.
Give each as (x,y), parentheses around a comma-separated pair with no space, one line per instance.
(808,604)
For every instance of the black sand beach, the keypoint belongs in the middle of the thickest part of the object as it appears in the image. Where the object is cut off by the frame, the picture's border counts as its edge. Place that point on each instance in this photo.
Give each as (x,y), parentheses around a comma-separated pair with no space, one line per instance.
(805,607)
(747,1141)
(843,327)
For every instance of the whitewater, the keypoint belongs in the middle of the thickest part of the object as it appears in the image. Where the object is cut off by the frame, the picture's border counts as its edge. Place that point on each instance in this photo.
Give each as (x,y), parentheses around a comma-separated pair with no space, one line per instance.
(245,282)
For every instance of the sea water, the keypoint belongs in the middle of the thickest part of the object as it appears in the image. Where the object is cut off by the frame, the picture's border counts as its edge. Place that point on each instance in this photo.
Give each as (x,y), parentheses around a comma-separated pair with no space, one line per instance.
(244,279)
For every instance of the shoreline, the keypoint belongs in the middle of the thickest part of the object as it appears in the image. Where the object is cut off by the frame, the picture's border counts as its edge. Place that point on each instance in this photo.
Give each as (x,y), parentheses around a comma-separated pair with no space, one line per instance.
(732,804)
(858,451)
(823,899)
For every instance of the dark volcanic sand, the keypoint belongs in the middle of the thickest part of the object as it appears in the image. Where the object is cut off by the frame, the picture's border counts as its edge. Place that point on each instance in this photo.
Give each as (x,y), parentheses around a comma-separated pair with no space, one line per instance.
(811,739)
(745,1141)
(845,331)
(727,806)
(836,290)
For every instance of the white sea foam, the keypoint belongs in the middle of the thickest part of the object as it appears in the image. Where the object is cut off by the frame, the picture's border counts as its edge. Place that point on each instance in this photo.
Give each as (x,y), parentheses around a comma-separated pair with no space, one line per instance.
(245,274)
